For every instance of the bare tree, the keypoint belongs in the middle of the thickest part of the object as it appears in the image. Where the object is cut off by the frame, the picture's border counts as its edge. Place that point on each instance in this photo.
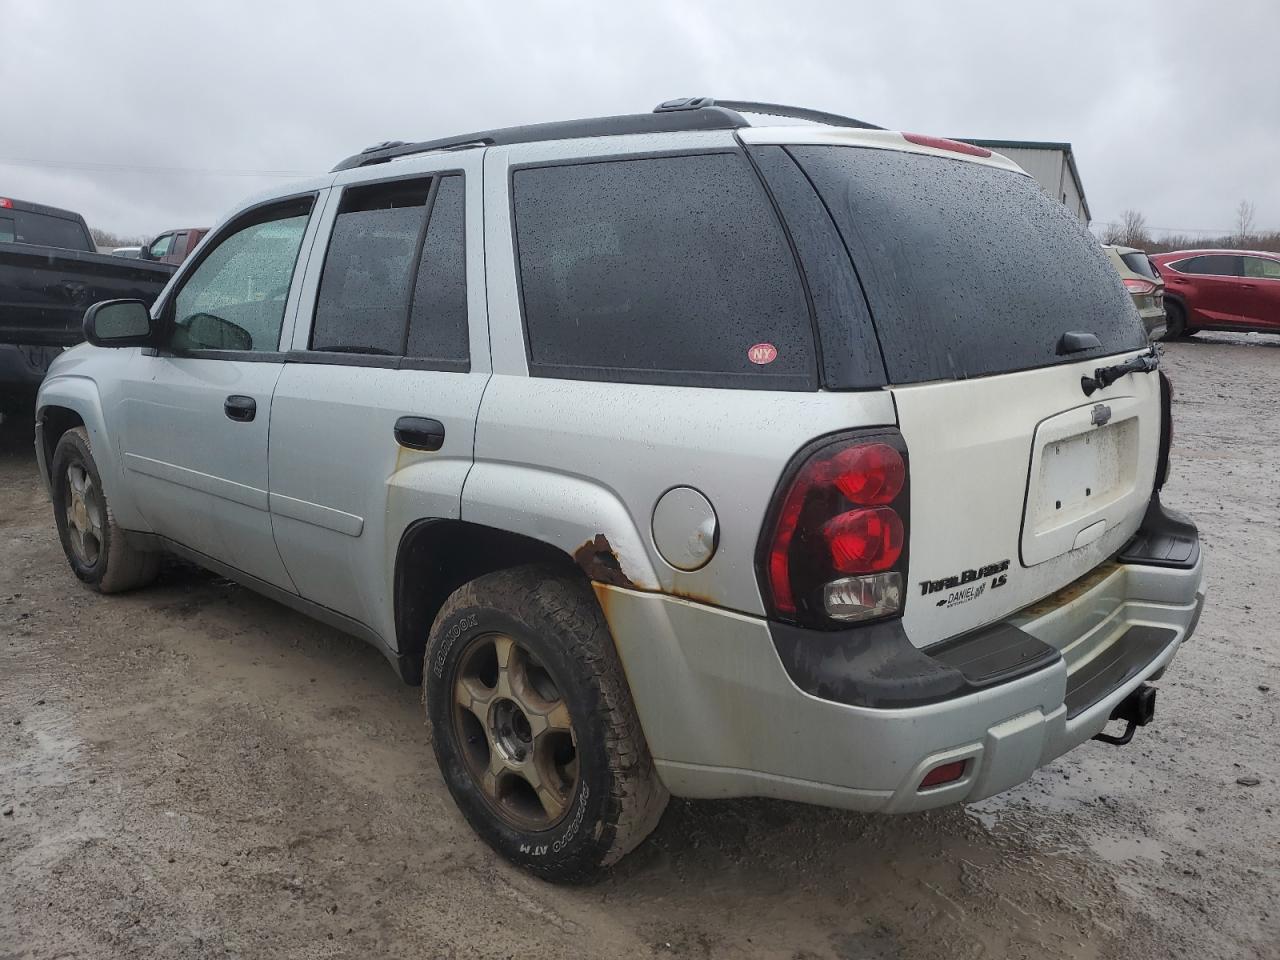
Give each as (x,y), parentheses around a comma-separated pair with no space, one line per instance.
(1130,232)
(1245,214)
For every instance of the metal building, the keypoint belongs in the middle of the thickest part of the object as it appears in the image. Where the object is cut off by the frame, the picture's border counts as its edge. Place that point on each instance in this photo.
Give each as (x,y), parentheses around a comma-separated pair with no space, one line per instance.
(1052,164)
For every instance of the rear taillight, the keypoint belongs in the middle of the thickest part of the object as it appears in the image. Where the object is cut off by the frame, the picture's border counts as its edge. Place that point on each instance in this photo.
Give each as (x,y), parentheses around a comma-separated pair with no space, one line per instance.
(834,546)
(942,143)
(1134,285)
(6,203)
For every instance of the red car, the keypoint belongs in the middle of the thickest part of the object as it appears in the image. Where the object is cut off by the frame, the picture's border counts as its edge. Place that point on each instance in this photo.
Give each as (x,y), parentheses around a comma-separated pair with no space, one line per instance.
(1220,290)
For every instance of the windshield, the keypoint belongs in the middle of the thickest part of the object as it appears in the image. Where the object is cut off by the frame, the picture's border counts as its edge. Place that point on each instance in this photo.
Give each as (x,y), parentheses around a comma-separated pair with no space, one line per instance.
(969,270)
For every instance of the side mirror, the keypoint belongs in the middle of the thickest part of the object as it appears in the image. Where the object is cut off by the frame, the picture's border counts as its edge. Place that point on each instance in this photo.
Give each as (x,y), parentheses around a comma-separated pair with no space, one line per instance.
(144,252)
(118,323)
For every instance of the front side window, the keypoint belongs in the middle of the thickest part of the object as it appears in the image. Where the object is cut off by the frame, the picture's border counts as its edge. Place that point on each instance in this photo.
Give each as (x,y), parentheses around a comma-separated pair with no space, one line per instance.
(1261,268)
(670,270)
(161,245)
(235,297)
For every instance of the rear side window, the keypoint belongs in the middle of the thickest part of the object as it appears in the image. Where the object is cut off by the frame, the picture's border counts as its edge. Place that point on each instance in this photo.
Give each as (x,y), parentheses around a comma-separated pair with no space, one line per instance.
(363,302)
(669,270)
(438,320)
(394,280)
(1213,266)
(1140,264)
(969,270)
(47,231)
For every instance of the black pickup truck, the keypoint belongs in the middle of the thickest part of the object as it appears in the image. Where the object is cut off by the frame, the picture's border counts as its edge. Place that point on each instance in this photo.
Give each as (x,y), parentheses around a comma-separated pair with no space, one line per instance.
(50,272)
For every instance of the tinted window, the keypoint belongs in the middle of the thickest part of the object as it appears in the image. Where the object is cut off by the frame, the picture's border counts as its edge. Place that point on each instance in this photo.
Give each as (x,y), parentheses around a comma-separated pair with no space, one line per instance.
(1212,265)
(363,302)
(235,298)
(1262,268)
(969,270)
(659,270)
(179,247)
(438,319)
(1140,264)
(47,231)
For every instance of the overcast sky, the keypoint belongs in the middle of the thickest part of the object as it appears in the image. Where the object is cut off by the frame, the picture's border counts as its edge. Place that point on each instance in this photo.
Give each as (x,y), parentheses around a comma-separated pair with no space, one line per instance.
(147,115)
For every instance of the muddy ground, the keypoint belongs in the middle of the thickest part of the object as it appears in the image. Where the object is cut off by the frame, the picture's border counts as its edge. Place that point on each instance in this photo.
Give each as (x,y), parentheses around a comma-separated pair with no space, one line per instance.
(193,771)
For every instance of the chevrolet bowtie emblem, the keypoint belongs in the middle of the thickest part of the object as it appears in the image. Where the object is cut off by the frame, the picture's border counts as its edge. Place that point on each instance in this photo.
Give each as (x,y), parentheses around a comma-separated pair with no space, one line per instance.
(1101,414)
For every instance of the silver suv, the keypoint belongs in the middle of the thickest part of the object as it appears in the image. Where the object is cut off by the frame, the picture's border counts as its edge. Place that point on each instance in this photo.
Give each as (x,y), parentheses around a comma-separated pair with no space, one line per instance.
(671,454)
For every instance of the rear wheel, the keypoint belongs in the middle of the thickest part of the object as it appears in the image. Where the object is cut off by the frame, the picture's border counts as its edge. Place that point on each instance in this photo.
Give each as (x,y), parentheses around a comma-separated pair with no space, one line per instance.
(94,544)
(533,725)
(1176,327)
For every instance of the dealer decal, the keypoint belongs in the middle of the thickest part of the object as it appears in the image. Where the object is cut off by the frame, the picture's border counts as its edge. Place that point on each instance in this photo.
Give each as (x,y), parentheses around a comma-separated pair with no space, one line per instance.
(967,584)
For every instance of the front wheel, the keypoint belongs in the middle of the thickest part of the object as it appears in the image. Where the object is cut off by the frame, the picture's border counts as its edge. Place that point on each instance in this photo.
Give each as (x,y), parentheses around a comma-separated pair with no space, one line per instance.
(533,725)
(95,546)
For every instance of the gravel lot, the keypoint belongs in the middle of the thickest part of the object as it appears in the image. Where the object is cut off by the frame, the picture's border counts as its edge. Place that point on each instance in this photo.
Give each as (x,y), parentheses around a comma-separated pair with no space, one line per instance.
(194,771)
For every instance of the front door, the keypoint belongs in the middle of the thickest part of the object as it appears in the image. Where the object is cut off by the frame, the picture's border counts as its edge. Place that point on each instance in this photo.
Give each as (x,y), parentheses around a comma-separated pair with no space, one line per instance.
(373,421)
(1262,281)
(195,414)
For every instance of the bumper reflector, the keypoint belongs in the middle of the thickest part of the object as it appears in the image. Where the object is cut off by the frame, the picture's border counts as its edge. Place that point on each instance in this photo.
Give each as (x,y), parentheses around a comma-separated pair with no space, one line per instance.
(946,773)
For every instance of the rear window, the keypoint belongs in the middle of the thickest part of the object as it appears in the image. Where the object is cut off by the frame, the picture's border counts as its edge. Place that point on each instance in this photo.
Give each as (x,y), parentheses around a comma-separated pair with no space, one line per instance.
(660,270)
(1140,264)
(969,270)
(48,231)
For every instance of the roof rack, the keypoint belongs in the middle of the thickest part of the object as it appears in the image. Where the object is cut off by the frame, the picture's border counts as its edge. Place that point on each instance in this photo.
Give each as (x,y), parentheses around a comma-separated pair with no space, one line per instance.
(672,116)
(767,110)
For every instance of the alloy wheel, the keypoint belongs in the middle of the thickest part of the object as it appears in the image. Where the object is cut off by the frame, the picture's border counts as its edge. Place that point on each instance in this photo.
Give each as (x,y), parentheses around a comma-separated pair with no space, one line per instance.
(515,732)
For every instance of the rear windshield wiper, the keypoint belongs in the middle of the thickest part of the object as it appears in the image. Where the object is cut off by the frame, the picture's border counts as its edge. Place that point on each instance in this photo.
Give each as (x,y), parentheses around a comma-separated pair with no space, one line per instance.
(1104,377)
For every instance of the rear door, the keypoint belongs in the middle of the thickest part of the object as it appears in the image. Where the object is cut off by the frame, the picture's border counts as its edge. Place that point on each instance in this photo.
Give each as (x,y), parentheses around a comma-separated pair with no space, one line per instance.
(1020,483)
(374,417)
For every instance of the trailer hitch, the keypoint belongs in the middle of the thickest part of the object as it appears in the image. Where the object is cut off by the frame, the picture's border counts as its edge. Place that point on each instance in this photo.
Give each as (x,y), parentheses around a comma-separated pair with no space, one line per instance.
(1136,710)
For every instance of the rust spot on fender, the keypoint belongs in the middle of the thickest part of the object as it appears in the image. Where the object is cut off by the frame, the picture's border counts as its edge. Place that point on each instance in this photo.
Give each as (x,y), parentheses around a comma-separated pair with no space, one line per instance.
(600,563)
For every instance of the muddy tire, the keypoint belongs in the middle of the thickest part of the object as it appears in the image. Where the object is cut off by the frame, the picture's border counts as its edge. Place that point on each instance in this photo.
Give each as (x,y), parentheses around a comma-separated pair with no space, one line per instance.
(533,725)
(95,546)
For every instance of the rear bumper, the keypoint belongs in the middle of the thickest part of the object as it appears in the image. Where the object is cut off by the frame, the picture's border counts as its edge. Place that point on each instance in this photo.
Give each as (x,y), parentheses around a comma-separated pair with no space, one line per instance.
(724,716)
(1155,320)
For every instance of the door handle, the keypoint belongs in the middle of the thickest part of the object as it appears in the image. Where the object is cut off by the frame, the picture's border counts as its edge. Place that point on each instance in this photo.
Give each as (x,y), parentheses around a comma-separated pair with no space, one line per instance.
(239,408)
(419,433)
